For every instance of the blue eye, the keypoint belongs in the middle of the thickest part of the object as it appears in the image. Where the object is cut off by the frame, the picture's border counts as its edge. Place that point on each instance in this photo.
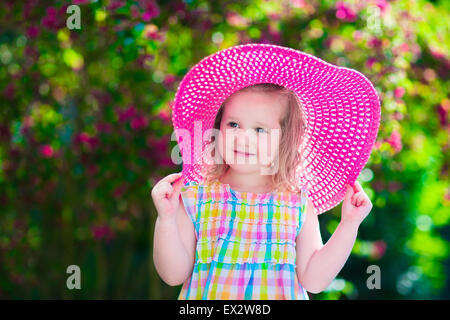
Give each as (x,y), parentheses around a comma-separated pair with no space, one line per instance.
(263,130)
(232,124)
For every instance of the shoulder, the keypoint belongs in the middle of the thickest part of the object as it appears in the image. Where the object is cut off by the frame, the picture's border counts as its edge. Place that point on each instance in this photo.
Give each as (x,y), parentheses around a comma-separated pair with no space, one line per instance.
(190,186)
(307,205)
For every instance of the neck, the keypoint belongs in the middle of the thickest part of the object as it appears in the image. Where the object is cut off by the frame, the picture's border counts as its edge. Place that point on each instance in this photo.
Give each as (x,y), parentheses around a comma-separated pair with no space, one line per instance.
(247,182)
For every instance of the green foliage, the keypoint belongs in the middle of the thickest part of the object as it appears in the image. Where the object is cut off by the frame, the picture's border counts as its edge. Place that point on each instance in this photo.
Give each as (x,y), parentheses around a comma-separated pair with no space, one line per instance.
(85,133)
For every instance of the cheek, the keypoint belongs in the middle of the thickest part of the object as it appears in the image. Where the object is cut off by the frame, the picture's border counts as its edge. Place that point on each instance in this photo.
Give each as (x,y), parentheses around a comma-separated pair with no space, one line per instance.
(222,144)
(268,146)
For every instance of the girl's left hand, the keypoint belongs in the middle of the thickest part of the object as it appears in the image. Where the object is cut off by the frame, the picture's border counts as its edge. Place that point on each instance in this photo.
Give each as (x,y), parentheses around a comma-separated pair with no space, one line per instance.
(356,205)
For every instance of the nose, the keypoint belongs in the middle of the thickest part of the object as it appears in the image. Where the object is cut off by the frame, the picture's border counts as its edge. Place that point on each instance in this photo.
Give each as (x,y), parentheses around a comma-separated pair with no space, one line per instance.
(244,141)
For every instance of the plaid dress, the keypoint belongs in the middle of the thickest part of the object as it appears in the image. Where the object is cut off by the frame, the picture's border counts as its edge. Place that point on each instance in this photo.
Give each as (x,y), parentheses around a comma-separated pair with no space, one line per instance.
(245,243)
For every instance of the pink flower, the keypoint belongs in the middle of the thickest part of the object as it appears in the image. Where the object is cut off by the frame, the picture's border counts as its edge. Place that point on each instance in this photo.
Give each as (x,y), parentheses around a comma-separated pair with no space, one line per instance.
(9,91)
(357,35)
(32,32)
(102,97)
(46,151)
(143,59)
(395,140)
(31,52)
(399,92)
(85,139)
(102,232)
(377,145)
(169,79)
(139,122)
(164,114)
(93,142)
(383,5)
(151,11)
(49,21)
(344,12)
(298,3)
(103,127)
(165,162)
(126,114)
(374,42)
(378,249)
(370,62)
(442,112)
(120,190)
(115,4)
(134,11)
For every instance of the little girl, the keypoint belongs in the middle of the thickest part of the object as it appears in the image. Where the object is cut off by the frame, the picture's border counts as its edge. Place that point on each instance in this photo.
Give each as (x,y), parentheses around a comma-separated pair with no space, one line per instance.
(244,235)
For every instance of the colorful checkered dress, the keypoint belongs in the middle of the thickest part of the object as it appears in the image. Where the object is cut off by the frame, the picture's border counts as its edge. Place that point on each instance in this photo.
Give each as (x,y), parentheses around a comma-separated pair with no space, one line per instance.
(245,243)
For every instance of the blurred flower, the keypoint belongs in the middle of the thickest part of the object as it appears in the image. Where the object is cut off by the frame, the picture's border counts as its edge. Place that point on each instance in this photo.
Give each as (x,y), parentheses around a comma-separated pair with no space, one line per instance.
(31,52)
(9,91)
(394,186)
(54,18)
(383,5)
(32,32)
(80,1)
(144,59)
(236,20)
(46,151)
(90,141)
(135,12)
(395,140)
(29,5)
(151,32)
(299,3)
(115,4)
(126,114)
(102,97)
(370,62)
(169,79)
(82,137)
(120,190)
(357,35)
(139,122)
(400,49)
(5,134)
(344,12)
(399,92)
(102,232)
(377,145)
(442,110)
(374,42)
(103,127)
(151,11)
(378,249)
(164,114)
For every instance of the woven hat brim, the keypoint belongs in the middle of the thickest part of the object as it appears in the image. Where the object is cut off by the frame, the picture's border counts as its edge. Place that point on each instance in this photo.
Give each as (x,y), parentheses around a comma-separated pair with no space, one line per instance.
(341,106)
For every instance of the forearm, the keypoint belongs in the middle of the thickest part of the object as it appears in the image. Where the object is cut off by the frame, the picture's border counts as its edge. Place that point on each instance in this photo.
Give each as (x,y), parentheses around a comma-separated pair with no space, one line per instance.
(171,258)
(325,263)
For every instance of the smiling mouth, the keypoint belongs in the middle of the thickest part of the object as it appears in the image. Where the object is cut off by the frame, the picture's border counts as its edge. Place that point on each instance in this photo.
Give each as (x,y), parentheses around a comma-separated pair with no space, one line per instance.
(243,153)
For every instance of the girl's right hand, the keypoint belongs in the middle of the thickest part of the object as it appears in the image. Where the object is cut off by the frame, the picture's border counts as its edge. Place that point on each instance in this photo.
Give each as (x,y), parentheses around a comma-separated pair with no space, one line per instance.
(166,195)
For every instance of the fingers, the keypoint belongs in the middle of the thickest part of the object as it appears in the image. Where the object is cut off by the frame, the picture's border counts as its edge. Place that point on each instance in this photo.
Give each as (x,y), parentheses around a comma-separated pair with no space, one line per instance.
(357,187)
(164,188)
(360,199)
(173,177)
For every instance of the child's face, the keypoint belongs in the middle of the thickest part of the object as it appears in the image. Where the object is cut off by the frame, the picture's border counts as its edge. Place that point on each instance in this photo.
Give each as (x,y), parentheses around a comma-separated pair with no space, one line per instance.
(251,124)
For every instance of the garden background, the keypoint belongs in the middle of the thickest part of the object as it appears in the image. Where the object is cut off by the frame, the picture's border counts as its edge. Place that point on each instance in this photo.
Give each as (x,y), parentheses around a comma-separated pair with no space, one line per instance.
(85,132)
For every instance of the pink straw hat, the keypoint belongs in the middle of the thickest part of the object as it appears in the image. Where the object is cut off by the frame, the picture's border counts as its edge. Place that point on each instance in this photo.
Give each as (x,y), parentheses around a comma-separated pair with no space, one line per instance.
(341,107)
